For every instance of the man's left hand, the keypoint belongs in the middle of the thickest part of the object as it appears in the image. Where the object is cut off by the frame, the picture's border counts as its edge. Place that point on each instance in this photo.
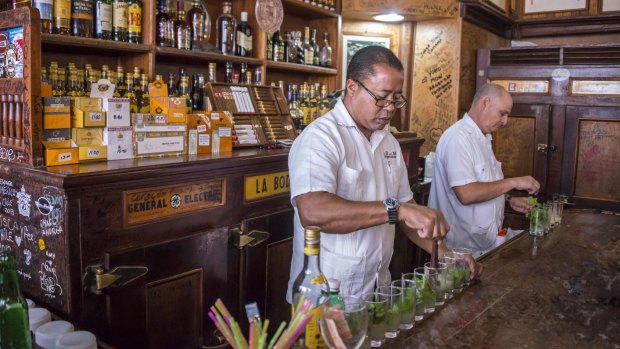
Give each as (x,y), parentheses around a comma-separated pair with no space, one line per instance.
(520,204)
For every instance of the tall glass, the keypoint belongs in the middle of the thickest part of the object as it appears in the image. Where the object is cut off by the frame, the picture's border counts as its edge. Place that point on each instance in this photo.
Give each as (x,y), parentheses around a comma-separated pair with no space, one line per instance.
(376,304)
(558,207)
(537,221)
(437,282)
(407,308)
(450,275)
(394,304)
(549,217)
(424,289)
(419,301)
(462,256)
(347,327)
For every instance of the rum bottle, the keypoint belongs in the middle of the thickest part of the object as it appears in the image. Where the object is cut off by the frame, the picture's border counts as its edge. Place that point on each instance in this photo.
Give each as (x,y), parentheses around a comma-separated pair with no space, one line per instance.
(308,284)
(62,17)
(82,18)
(243,47)
(182,34)
(134,21)
(14,324)
(144,103)
(129,93)
(315,48)
(185,93)
(46,9)
(164,26)
(278,47)
(308,49)
(103,19)
(326,52)
(226,25)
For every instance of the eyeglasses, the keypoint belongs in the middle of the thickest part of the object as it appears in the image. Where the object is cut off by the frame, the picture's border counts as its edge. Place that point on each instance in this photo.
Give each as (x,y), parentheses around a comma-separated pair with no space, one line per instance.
(384,102)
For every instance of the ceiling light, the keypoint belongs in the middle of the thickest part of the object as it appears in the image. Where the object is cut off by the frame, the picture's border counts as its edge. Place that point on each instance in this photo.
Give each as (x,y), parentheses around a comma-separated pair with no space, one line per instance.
(389,17)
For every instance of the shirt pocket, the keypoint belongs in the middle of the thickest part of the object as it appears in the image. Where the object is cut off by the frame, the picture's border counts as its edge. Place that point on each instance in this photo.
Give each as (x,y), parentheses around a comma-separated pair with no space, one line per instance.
(350,183)
(350,270)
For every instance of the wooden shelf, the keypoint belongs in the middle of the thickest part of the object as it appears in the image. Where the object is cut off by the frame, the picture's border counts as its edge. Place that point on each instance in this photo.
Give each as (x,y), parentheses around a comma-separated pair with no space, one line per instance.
(200,56)
(83,44)
(303,9)
(301,68)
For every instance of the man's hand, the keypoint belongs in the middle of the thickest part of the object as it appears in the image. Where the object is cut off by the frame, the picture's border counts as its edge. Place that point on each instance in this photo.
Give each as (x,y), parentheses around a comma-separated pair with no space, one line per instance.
(520,204)
(527,183)
(475,268)
(429,223)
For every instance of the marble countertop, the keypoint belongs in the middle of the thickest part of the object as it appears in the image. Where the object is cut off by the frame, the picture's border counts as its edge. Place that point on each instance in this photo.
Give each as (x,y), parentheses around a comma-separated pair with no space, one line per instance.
(558,291)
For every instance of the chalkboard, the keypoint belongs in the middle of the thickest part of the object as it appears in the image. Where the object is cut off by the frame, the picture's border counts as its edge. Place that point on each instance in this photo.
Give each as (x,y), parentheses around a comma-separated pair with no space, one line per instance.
(32,225)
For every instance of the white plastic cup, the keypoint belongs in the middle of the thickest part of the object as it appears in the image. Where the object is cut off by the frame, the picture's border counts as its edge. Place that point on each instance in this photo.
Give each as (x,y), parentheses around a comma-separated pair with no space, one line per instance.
(30,303)
(38,316)
(48,334)
(77,340)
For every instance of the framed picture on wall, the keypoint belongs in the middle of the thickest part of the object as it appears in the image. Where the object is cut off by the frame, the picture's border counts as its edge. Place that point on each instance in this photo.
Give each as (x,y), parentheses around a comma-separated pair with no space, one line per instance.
(610,5)
(351,43)
(501,4)
(534,6)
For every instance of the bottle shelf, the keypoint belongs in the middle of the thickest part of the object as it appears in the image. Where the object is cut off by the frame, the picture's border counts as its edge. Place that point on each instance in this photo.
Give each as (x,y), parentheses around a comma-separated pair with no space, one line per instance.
(200,56)
(83,44)
(304,9)
(301,68)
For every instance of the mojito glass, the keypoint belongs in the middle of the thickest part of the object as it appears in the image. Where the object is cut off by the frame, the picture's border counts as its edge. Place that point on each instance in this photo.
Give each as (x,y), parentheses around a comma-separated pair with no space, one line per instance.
(462,256)
(394,305)
(376,304)
(424,289)
(407,308)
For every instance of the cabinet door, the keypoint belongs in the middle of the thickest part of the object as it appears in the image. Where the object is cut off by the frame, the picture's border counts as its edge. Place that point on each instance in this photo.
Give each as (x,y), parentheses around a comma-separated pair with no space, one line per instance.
(265,267)
(167,307)
(592,157)
(522,146)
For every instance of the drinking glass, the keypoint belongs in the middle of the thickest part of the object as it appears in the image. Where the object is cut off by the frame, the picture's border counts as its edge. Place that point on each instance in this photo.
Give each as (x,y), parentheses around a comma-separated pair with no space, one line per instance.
(394,304)
(345,328)
(558,207)
(376,303)
(424,289)
(419,302)
(450,276)
(462,256)
(538,219)
(548,217)
(407,308)
(437,282)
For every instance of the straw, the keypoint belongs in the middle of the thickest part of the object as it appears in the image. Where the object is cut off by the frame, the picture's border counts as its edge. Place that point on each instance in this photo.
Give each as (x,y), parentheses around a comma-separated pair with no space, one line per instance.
(252,336)
(219,323)
(275,336)
(222,308)
(291,338)
(263,336)
(242,343)
(434,254)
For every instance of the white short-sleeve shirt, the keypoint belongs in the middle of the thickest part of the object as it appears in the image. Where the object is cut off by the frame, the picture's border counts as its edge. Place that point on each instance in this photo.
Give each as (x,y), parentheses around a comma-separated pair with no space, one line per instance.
(465,155)
(333,155)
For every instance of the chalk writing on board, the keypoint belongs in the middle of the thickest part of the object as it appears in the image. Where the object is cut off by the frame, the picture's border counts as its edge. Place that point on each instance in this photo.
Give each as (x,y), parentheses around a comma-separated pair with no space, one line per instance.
(23,202)
(49,280)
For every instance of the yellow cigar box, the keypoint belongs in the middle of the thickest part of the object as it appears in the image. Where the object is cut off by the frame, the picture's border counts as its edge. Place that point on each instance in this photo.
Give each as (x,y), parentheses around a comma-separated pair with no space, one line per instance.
(221,131)
(199,134)
(158,105)
(93,152)
(56,112)
(61,153)
(158,88)
(87,136)
(177,109)
(87,112)
(58,134)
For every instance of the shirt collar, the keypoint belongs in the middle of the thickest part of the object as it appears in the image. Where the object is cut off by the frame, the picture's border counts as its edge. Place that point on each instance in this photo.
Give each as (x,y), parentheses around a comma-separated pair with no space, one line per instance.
(345,119)
(472,128)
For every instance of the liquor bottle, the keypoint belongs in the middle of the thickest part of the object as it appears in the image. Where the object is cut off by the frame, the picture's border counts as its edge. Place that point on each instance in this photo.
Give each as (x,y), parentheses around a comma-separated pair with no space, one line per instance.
(331,294)
(134,21)
(73,90)
(46,9)
(207,34)
(15,329)
(172,86)
(184,93)
(103,19)
(307,48)
(269,47)
(121,88)
(211,72)
(144,102)
(296,113)
(62,17)
(313,105)
(278,47)
(304,104)
(105,71)
(196,21)
(226,25)
(198,91)
(308,284)
(243,73)
(326,52)
(323,101)
(120,22)
(136,82)
(228,72)
(182,33)
(164,25)
(82,21)
(243,47)
(315,48)
(129,93)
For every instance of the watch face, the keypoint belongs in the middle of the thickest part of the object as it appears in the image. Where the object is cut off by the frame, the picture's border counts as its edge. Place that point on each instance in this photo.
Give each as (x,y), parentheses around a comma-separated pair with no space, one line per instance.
(391,202)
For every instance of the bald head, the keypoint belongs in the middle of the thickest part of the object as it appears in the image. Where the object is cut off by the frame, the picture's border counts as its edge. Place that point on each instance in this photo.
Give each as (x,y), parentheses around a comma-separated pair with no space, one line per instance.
(491,90)
(490,108)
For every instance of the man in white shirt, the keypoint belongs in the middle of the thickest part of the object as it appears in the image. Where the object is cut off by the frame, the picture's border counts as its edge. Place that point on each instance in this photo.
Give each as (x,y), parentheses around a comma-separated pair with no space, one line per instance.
(468,186)
(348,177)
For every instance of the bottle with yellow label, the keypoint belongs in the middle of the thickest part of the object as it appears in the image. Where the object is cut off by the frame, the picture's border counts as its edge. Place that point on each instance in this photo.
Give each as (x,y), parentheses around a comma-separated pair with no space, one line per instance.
(134,21)
(308,284)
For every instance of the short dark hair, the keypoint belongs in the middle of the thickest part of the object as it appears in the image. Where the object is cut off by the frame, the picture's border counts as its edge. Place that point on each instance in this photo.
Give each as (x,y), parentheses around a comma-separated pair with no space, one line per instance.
(363,62)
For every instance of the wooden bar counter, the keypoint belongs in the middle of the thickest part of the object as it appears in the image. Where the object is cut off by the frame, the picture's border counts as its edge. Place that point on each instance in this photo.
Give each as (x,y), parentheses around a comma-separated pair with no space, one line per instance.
(559,291)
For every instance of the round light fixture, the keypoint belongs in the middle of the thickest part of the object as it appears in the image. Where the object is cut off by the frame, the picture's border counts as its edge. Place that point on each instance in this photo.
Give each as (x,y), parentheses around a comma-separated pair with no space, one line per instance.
(388,17)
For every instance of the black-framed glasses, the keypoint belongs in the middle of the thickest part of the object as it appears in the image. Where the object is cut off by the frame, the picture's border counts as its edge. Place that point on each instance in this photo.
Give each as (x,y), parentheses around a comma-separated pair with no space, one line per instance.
(384,102)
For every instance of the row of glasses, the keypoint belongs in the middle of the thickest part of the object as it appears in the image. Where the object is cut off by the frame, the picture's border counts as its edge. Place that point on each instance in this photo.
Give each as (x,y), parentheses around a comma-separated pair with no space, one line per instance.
(546,217)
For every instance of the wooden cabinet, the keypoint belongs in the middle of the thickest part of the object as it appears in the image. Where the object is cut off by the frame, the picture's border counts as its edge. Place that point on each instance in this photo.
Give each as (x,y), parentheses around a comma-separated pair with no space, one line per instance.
(563,129)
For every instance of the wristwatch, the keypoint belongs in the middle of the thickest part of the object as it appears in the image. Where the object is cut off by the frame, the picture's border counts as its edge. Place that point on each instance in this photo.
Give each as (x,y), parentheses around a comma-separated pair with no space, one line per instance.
(392,205)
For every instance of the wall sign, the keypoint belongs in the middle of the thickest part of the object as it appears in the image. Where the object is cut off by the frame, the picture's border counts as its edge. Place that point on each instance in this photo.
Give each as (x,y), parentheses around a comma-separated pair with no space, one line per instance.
(266,185)
(533,6)
(153,204)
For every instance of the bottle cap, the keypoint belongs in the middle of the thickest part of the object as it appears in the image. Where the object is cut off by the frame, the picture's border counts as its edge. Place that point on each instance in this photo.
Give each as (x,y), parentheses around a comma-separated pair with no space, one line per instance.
(48,334)
(334,285)
(244,16)
(77,340)
(38,316)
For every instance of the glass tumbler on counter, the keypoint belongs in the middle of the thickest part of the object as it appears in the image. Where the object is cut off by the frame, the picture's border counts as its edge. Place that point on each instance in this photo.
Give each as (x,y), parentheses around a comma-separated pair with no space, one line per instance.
(345,326)
(407,308)
(462,256)
(377,305)
(538,221)
(394,304)
(419,301)
(424,289)
(449,273)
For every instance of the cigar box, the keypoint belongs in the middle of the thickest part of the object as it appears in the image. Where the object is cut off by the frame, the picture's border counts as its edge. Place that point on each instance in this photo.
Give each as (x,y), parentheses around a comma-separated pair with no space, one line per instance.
(60,153)
(87,136)
(152,144)
(142,120)
(177,109)
(119,142)
(221,131)
(117,112)
(87,112)
(57,134)
(199,134)
(56,113)
(93,152)
(158,105)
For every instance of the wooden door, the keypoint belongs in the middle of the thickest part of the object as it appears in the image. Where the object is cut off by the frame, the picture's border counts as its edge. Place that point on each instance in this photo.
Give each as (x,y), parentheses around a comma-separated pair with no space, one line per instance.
(168,307)
(592,156)
(265,267)
(523,145)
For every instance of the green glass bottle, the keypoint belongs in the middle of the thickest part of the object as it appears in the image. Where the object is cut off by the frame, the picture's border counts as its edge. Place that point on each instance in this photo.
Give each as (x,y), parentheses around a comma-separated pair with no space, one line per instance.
(14,324)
